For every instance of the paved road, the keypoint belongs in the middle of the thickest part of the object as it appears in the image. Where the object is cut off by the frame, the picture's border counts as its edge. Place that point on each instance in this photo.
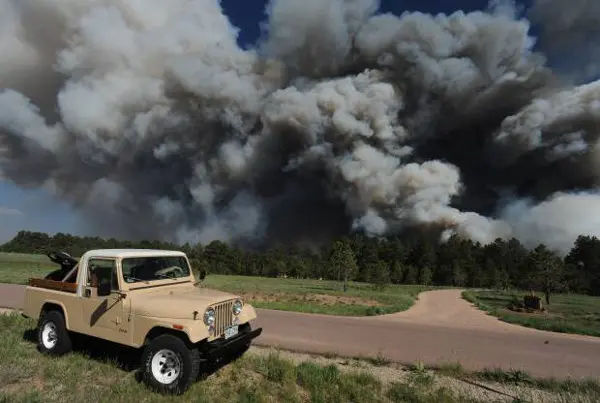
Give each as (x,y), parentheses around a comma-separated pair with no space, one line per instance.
(440,328)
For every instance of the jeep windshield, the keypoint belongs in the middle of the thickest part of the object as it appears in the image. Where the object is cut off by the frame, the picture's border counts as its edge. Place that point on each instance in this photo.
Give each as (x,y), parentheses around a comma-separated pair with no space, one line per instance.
(150,268)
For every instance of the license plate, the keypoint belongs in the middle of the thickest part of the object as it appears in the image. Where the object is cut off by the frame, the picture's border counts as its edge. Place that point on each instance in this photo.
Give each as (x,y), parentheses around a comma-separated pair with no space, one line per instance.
(231,331)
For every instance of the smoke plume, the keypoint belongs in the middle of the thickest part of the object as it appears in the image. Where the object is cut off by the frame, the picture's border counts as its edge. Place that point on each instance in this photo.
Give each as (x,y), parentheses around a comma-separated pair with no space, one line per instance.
(148,117)
(567,26)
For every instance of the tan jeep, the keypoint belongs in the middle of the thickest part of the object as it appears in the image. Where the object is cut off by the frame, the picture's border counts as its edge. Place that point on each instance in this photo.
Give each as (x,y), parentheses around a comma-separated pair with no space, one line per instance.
(147,299)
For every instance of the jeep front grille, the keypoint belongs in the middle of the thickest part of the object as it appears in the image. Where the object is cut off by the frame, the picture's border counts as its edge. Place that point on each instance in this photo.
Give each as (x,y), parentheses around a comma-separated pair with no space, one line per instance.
(223,317)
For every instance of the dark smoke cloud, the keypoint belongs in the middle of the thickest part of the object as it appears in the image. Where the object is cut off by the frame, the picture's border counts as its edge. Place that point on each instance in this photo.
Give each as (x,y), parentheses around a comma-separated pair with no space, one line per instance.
(570,35)
(151,120)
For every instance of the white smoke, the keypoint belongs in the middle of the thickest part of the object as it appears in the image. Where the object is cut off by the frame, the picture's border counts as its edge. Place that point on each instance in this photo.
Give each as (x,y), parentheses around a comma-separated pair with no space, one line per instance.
(557,221)
(149,117)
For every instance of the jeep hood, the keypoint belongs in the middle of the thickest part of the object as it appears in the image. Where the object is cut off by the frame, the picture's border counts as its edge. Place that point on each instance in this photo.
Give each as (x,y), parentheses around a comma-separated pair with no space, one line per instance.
(176,302)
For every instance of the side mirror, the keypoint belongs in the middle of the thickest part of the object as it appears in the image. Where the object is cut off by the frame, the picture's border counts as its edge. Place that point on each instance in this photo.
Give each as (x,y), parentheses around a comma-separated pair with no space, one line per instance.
(104,289)
(202,274)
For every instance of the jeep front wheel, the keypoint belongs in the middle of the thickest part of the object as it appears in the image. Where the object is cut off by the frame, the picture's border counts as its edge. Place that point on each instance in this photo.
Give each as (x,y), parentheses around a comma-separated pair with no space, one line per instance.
(53,336)
(170,366)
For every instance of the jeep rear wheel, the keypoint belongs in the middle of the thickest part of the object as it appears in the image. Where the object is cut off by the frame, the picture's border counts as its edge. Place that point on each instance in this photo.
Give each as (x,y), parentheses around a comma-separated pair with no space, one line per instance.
(53,336)
(170,366)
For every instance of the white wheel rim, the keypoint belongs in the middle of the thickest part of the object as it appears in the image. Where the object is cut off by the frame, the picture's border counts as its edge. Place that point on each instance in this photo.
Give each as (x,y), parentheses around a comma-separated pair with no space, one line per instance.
(166,366)
(49,337)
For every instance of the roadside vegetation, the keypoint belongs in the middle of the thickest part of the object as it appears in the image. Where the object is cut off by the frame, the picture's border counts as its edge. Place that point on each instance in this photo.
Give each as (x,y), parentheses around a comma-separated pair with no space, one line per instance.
(578,314)
(104,373)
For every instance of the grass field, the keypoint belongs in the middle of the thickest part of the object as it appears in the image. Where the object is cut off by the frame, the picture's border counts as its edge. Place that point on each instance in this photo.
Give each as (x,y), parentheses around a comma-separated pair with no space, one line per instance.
(566,314)
(309,296)
(16,268)
(104,373)
(316,296)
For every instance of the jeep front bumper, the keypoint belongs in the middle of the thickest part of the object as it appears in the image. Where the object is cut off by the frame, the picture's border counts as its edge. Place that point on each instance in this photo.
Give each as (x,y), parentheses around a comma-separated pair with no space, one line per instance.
(221,347)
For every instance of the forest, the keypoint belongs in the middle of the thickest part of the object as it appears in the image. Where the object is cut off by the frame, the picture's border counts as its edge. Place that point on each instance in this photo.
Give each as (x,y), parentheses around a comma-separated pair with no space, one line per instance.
(418,259)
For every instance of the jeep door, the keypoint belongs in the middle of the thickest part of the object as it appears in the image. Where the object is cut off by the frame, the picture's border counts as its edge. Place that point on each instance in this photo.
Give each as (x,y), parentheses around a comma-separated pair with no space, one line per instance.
(104,316)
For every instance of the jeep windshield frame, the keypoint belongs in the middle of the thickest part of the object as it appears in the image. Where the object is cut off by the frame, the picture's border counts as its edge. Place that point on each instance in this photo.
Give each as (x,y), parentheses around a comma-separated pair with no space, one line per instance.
(155,270)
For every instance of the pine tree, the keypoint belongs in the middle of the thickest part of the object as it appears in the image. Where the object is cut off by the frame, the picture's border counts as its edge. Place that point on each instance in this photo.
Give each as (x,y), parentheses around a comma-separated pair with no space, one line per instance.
(342,260)
(584,264)
(547,271)
(396,272)
(380,274)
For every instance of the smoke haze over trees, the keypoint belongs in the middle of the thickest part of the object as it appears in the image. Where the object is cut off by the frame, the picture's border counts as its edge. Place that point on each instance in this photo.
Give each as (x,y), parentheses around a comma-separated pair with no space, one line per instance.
(411,260)
(154,122)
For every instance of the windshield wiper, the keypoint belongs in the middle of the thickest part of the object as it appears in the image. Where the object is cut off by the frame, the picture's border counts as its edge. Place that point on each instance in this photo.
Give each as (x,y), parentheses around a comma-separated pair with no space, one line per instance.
(138,279)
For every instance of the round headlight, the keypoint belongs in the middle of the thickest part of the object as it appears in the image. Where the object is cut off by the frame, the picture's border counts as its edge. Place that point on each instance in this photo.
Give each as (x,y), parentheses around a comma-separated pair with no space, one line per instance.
(209,317)
(237,307)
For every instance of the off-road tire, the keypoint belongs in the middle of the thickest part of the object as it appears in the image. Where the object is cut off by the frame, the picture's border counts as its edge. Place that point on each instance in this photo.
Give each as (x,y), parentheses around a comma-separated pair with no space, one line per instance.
(53,336)
(187,365)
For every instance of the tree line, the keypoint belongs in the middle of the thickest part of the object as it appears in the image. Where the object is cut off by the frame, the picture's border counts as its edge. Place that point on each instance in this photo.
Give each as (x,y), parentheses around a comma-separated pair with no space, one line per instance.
(418,259)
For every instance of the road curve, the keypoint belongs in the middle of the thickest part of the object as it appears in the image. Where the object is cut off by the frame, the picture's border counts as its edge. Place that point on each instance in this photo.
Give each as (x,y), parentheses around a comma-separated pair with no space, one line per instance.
(440,328)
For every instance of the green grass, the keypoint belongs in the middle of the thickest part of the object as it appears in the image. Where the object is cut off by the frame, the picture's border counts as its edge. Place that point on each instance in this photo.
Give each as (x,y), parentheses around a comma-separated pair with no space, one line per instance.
(308,296)
(567,313)
(96,375)
(16,268)
(28,376)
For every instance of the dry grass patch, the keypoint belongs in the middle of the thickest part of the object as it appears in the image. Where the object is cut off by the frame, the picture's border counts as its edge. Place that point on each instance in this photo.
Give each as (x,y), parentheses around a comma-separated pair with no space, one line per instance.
(321,299)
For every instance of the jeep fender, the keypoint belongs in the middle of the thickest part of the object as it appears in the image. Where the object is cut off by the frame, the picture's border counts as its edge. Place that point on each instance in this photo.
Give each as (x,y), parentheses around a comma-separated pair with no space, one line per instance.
(248,314)
(147,326)
(50,305)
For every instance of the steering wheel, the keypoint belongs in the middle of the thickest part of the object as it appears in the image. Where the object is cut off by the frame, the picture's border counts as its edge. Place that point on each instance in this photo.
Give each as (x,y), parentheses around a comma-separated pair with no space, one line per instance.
(175,270)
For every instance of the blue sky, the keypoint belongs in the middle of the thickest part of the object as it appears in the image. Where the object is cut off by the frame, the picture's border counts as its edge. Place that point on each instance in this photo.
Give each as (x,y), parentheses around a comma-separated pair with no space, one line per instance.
(36,210)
